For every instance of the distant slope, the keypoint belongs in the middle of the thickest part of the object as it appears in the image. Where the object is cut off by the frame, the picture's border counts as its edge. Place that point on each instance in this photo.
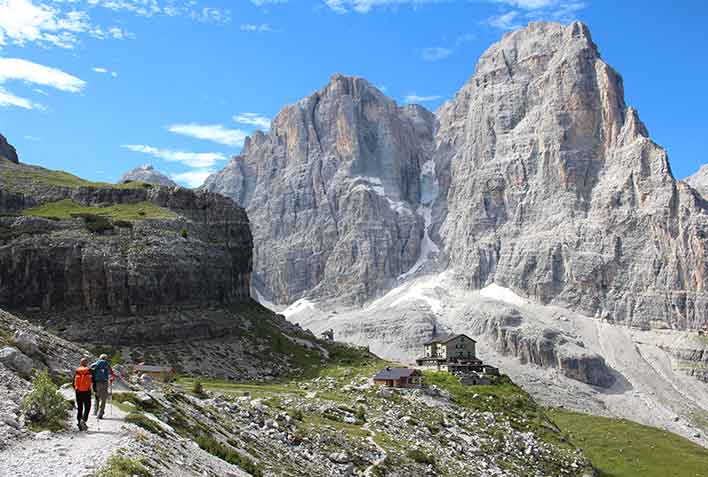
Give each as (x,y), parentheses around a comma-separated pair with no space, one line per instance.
(620,448)
(148,175)
(699,180)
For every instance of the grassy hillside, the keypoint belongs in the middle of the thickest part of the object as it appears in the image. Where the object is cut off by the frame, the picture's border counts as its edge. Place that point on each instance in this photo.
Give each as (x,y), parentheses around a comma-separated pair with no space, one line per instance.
(620,448)
(66,209)
(23,178)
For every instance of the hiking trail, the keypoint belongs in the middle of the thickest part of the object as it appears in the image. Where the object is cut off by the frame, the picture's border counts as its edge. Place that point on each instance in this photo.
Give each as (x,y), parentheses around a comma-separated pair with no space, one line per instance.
(68,453)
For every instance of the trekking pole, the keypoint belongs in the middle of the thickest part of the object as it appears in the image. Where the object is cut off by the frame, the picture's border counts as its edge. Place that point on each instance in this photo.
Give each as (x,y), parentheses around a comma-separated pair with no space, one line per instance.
(110,398)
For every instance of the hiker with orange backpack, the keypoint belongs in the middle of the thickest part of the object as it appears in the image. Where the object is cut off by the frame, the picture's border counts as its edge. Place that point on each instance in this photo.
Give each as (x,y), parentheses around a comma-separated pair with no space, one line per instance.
(82,388)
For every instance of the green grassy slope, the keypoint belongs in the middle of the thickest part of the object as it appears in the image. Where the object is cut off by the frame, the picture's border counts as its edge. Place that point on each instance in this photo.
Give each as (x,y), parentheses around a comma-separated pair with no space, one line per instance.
(65,209)
(620,448)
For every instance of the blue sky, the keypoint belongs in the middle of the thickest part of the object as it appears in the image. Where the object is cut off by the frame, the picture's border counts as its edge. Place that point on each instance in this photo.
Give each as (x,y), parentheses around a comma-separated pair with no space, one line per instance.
(97,87)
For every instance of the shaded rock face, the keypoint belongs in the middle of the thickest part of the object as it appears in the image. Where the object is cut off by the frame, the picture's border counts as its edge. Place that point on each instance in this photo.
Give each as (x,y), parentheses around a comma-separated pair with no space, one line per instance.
(148,175)
(551,186)
(699,180)
(7,150)
(546,347)
(332,191)
(151,267)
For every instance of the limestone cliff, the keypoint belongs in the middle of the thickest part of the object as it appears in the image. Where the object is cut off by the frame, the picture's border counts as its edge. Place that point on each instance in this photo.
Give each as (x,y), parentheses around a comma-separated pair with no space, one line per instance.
(7,150)
(332,191)
(699,180)
(550,185)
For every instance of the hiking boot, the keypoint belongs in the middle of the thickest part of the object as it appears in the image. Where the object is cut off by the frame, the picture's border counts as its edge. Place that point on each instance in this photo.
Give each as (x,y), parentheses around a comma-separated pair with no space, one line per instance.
(81,427)
(100,416)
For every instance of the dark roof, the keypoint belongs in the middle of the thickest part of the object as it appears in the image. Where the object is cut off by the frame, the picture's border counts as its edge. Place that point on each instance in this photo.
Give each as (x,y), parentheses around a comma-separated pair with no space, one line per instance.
(445,339)
(396,373)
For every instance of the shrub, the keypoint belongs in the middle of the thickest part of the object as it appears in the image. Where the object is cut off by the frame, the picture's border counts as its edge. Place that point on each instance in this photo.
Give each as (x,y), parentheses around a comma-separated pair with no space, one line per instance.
(95,223)
(124,224)
(141,420)
(297,414)
(360,413)
(421,457)
(184,233)
(119,466)
(198,388)
(44,407)
(228,454)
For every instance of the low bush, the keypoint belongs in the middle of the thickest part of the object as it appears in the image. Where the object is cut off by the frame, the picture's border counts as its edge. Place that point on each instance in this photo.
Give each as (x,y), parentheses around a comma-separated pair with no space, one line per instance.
(198,388)
(124,224)
(95,223)
(141,420)
(44,407)
(184,233)
(421,457)
(119,466)
(228,454)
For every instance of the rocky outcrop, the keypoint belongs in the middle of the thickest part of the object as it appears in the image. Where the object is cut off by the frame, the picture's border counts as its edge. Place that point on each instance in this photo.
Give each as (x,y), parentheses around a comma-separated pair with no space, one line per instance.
(148,175)
(8,151)
(547,347)
(699,180)
(551,186)
(332,192)
(201,257)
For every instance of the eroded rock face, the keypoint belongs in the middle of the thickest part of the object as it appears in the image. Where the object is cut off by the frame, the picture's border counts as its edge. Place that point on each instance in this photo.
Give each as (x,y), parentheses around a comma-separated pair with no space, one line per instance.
(332,191)
(148,175)
(551,186)
(7,150)
(200,258)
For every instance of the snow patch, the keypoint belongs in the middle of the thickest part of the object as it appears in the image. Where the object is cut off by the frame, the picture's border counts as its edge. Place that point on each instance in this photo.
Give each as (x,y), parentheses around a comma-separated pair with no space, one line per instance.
(303,304)
(495,292)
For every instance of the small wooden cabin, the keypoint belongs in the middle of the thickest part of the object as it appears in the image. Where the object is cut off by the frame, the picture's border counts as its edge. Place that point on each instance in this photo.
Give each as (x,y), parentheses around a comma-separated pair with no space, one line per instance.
(162,373)
(399,378)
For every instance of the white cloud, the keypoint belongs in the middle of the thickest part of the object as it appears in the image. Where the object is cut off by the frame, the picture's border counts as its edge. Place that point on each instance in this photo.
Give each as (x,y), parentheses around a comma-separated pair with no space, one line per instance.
(210,132)
(19,69)
(414,98)
(193,178)
(365,6)
(253,119)
(199,160)
(60,23)
(99,69)
(262,3)
(506,21)
(9,99)
(435,53)
(262,28)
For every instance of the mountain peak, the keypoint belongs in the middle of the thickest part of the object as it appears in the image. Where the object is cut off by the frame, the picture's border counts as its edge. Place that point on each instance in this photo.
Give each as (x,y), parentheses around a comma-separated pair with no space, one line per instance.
(147,173)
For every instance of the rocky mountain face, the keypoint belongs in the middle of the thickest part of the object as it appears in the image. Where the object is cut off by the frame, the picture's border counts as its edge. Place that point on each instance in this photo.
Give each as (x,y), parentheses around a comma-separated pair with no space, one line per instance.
(332,191)
(699,180)
(542,180)
(7,150)
(148,175)
(551,186)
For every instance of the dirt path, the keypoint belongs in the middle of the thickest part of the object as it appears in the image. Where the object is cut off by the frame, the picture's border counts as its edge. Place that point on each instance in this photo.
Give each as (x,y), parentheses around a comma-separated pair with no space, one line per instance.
(70,453)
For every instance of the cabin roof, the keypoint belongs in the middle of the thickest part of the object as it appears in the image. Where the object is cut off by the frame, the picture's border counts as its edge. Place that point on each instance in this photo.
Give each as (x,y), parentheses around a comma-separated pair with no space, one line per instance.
(396,373)
(152,369)
(446,338)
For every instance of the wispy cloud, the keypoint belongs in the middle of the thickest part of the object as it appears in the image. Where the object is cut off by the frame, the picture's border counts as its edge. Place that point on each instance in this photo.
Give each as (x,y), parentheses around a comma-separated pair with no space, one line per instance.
(19,69)
(263,3)
(211,132)
(197,160)
(61,23)
(193,178)
(435,53)
(252,119)
(104,71)
(365,6)
(9,99)
(414,98)
(262,28)
(519,12)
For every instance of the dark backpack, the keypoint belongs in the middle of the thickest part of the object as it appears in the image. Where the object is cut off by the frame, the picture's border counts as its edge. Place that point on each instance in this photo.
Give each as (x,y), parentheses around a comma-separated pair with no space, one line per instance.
(99,371)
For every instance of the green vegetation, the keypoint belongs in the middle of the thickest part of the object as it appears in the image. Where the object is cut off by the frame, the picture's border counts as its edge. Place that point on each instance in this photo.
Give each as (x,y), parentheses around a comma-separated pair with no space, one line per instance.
(228,454)
(68,209)
(44,407)
(198,388)
(421,457)
(119,466)
(184,233)
(620,448)
(23,177)
(141,420)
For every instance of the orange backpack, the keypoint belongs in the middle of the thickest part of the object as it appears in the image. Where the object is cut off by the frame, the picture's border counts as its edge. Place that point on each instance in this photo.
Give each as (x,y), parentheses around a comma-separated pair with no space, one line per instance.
(82,379)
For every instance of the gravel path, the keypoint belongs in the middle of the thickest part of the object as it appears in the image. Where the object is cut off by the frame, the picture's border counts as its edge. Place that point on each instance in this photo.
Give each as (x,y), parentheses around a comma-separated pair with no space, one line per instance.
(70,453)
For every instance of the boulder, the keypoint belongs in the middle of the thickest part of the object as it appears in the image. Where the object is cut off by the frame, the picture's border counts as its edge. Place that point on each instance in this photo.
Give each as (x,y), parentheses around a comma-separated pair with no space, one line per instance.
(16,360)
(26,342)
